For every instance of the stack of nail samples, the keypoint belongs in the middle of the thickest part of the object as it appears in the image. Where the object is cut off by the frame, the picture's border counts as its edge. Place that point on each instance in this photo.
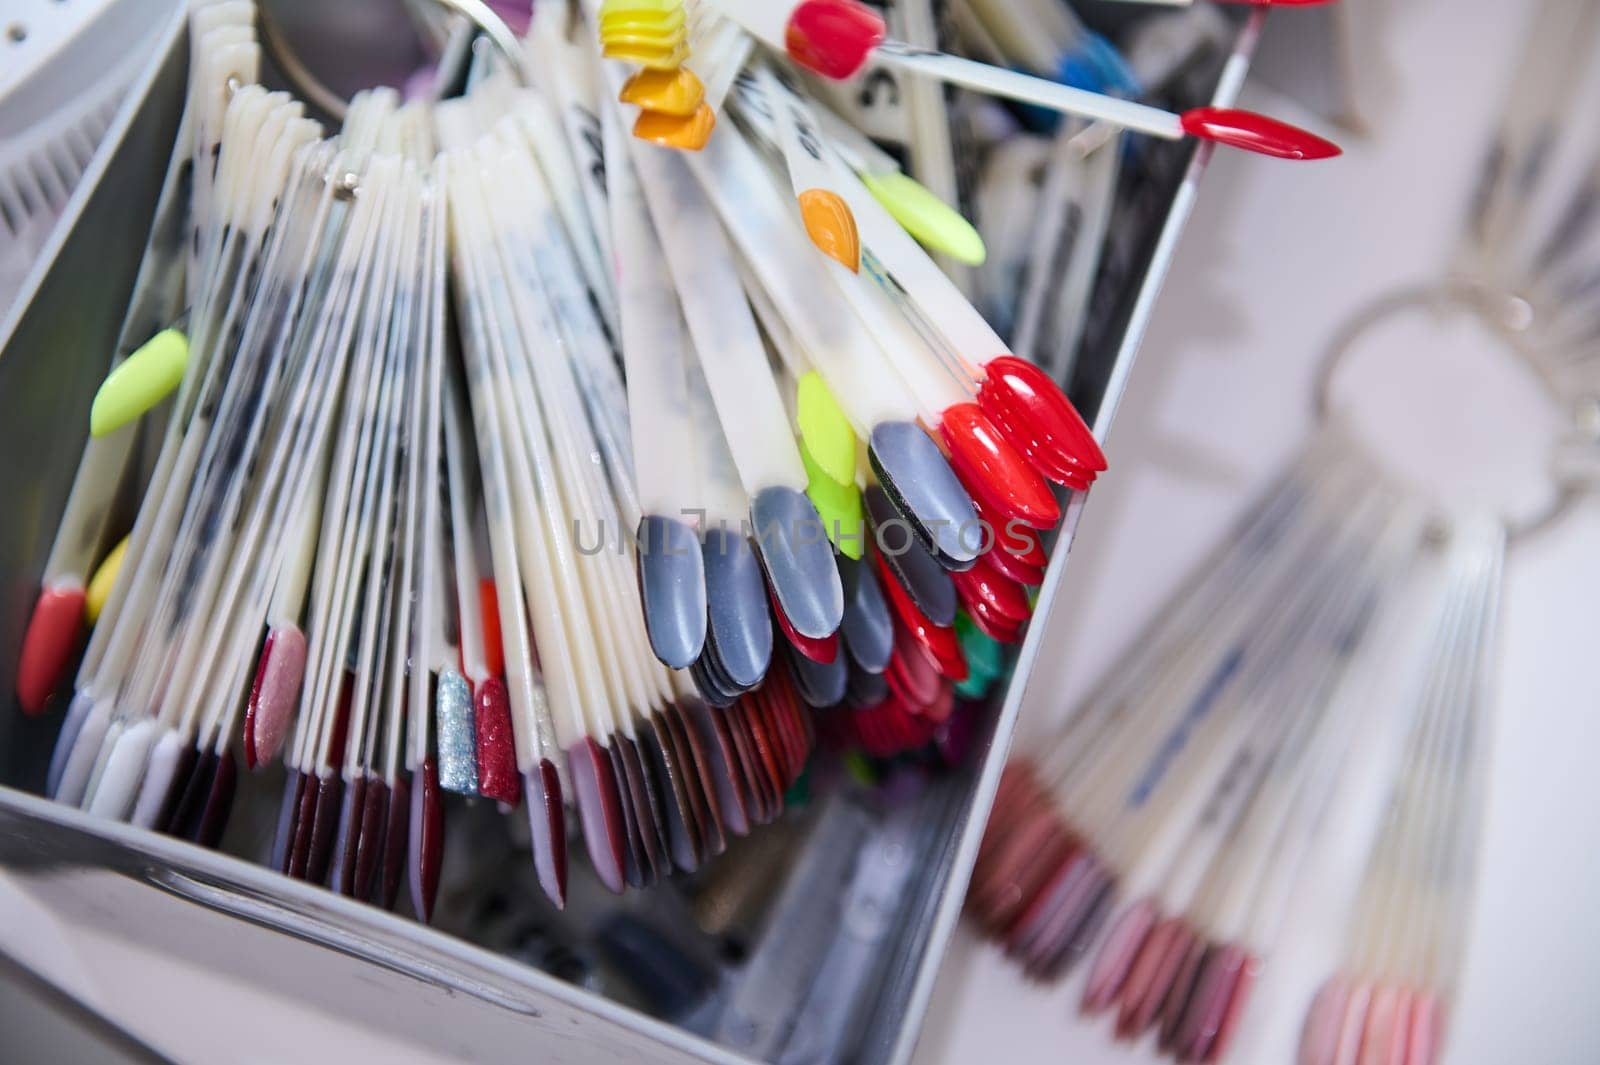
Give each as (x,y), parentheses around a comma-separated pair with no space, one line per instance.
(483,448)
(1160,838)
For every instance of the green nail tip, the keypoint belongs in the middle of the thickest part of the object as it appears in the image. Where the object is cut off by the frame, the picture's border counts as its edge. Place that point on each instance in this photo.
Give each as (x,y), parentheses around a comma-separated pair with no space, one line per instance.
(838,505)
(860,769)
(934,223)
(976,686)
(825,429)
(983,655)
(143,380)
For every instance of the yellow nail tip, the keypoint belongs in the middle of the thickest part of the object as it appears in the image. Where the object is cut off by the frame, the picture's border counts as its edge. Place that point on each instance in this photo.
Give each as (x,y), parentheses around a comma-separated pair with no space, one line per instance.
(143,380)
(642,22)
(831,226)
(838,505)
(667,41)
(824,430)
(672,131)
(676,92)
(934,223)
(623,8)
(99,590)
(644,56)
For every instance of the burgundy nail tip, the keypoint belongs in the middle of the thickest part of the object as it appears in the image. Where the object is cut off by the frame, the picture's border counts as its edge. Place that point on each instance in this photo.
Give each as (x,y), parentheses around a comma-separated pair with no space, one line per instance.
(634,862)
(52,636)
(252,705)
(304,818)
(496,749)
(324,827)
(396,840)
(352,810)
(988,465)
(370,837)
(637,798)
(832,37)
(427,839)
(713,832)
(219,802)
(599,811)
(1256,133)
(549,832)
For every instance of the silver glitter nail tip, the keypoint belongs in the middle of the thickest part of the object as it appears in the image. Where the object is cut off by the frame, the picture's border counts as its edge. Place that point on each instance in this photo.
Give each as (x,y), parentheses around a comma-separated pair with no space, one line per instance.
(926,492)
(798,560)
(919,573)
(868,628)
(672,583)
(458,738)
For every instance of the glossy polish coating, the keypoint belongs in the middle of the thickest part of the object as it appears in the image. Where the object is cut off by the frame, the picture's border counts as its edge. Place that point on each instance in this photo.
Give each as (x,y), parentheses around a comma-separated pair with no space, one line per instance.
(143,380)
(324,827)
(832,37)
(426,840)
(988,465)
(821,684)
(669,92)
(396,838)
(48,645)
(672,584)
(868,627)
(1256,133)
(548,823)
(938,640)
(908,559)
(831,227)
(823,650)
(497,754)
(925,490)
(999,596)
(371,837)
(669,131)
(1032,412)
(740,628)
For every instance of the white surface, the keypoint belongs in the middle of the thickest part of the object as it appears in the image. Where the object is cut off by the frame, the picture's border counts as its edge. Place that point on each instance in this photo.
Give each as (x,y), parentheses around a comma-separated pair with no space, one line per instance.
(1275,257)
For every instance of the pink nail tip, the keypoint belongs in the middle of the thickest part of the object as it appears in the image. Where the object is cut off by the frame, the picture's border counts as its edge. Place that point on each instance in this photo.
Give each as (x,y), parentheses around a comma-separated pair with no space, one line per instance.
(1256,133)
(274,695)
(599,811)
(1116,956)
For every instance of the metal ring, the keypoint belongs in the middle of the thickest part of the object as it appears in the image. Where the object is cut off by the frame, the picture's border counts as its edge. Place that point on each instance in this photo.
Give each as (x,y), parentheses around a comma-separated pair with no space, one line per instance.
(311,87)
(1505,313)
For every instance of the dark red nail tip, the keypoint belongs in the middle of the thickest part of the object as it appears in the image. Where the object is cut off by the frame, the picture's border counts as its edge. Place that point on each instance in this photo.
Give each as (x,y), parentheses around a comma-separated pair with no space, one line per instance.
(641,794)
(428,830)
(1256,133)
(497,753)
(396,841)
(716,833)
(681,761)
(832,37)
(324,827)
(1038,419)
(304,818)
(1181,989)
(219,802)
(549,832)
(370,837)
(635,864)
(186,816)
(48,645)
(986,585)
(351,812)
(683,834)
(992,625)
(823,650)
(168,820)
(989,466)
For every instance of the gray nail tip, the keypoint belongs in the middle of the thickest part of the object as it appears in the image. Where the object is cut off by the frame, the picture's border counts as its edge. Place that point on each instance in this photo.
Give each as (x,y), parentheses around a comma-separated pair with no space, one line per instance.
(798,559)
(739,629)
(926,492)
(672,584)
(868,627)
(710,690)
(865,688)
(921,574)
(821,684)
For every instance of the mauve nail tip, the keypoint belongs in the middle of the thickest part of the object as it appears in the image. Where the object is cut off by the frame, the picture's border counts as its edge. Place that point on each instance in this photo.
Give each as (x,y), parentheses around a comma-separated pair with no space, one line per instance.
(548,827)
(598,814)
(672,586)
(282,673)
(1115,959)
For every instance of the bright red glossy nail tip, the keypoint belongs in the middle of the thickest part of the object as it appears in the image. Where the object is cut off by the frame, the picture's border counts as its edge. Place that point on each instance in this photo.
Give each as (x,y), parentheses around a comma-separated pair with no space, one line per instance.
(832,37)
(1037,418)
(47,648)
(986,463)
(1256,133)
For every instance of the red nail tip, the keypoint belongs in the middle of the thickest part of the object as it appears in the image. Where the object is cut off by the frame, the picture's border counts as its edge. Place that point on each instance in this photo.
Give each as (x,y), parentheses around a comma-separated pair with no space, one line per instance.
(987,464)
(766,751)
(599,811)
(1014,568)
(680,761)
(304,819)
(1003,597)
(351,813)
(370,837)
(683,833)
(341,718)
(1256,133)
(1032,412)
(1017,541)
(940,642)
(489,610)
(52,637)
(824,650)
(429,857)
(832,37)
(396,840)
(703,790)
(497,753)
(550,840)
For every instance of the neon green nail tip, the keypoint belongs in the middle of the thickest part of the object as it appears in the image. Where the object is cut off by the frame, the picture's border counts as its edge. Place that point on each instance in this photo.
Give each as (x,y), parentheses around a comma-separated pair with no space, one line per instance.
(838,505)
(933,222)
(825,429)
(143,380)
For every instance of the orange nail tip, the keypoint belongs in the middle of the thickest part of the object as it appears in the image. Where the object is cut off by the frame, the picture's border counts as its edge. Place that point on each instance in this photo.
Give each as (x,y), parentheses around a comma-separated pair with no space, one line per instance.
(47,647)
(668,92)
(831,227)
(671,131)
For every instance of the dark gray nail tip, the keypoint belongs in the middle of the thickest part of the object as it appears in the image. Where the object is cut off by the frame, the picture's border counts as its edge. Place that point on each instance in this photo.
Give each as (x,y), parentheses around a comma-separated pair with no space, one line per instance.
(738,628)
(866,688)
(868,627)
(672,584)
(798,560)
(921,574)
(821,684)
(926,491)
(707,686)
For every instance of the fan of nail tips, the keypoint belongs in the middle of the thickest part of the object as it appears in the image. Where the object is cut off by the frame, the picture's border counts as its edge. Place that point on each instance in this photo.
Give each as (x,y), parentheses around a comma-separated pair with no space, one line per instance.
(439,507)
